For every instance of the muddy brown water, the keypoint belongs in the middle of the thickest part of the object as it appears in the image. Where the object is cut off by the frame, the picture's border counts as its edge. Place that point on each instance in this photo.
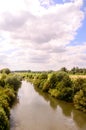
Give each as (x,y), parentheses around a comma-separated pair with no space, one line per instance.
(35,110)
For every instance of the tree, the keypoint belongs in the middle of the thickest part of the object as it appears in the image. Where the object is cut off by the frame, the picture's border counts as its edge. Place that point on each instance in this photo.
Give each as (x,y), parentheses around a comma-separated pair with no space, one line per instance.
(13,81)
(5,70)
(64,69)
(80,100)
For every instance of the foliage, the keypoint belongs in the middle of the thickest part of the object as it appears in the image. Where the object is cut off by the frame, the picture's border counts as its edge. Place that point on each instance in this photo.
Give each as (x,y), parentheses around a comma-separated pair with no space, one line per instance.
(76,70)
(46,86)
(64,69)
(80,100)
(5,105)
(43,76)
(9,85)
(61,86)
(79,84)
(2,83)
(64,87)
(4,122)
(13,82)
(5,70)
(54,92)
(53,80)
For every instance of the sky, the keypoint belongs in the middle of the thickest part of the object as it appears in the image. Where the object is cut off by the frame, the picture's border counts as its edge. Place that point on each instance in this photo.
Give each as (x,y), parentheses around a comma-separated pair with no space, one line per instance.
(42,34)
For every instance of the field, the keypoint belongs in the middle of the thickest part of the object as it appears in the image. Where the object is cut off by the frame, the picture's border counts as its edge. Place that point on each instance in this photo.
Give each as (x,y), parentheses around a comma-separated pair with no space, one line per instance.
(77,76)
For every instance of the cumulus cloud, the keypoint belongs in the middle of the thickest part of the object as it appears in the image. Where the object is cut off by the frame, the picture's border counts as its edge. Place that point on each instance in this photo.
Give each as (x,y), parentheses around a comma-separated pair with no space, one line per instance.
(12,22)
(36,34)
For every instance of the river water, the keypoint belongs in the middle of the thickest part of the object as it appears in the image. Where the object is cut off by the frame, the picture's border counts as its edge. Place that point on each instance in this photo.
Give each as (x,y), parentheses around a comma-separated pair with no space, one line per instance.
(35,110)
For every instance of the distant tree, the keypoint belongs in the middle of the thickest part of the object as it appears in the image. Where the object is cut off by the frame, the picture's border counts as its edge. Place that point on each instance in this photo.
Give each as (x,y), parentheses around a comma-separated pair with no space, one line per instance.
(64,69)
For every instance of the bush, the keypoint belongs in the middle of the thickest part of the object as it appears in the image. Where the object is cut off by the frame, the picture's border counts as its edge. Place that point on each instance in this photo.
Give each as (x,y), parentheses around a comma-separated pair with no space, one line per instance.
(53,80)
(13,81)
(80,100)
(54,92)
(2,79)
(42,82)
(66,94)
(46,86)
(2,83)
(9,85)
(4,104)
(79,84)
(10,94)
(36,82)
(4,122)
(61,76)
(5,70)
(43,76)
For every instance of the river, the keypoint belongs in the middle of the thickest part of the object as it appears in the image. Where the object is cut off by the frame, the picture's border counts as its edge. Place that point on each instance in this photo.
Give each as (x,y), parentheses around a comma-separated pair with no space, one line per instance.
(35,110)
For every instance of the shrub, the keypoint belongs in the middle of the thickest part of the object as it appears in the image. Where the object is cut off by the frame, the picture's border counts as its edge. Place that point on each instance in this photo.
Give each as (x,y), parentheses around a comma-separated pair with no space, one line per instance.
(54,92)
(66,94)
(61,76)
(10,94)
(9,85)
(46,86)
(4,104)
(5,70)
(42,82)
(13,81)
(63,89)
(53,80)
(43,76)
(2,83)
(79,84)
(4,122)
(36,82)
(80,100)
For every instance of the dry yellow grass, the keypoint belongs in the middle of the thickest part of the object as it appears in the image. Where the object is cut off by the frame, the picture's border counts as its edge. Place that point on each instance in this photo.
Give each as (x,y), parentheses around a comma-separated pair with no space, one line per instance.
(77,76)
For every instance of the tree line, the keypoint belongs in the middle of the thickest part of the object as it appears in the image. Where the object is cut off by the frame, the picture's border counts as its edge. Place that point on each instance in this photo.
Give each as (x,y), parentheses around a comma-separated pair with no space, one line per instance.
(74,70)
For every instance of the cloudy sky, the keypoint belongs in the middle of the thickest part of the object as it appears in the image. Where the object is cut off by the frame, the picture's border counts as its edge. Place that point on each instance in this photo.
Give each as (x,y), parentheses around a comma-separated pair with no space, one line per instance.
(42,34)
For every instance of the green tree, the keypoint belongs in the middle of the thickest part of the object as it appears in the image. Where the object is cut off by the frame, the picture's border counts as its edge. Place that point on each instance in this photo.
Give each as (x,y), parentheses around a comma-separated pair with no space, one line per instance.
(5,70)
(80,100)
(79,84)
(4,122)
(13,82)
(64,69)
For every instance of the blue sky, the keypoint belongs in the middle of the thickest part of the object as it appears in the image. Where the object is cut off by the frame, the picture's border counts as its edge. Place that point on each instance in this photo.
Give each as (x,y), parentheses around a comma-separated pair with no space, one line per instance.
(42,34)
(58,1)
(81,33)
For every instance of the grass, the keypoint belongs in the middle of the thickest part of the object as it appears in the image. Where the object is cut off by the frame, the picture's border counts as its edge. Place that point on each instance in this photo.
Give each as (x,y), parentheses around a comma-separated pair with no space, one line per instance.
(77,76)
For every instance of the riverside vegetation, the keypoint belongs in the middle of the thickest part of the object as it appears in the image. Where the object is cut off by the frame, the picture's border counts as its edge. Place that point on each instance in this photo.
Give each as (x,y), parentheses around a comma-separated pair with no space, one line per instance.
(9,84)
(61,86)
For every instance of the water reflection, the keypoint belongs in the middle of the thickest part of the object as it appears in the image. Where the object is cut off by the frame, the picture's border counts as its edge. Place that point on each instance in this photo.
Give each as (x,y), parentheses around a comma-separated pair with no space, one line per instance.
(67,109)
(80,119)
(36,110)
(53,103)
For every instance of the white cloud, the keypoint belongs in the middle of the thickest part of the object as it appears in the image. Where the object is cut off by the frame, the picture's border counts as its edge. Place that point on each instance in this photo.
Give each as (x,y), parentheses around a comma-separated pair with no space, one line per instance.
(36,34)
